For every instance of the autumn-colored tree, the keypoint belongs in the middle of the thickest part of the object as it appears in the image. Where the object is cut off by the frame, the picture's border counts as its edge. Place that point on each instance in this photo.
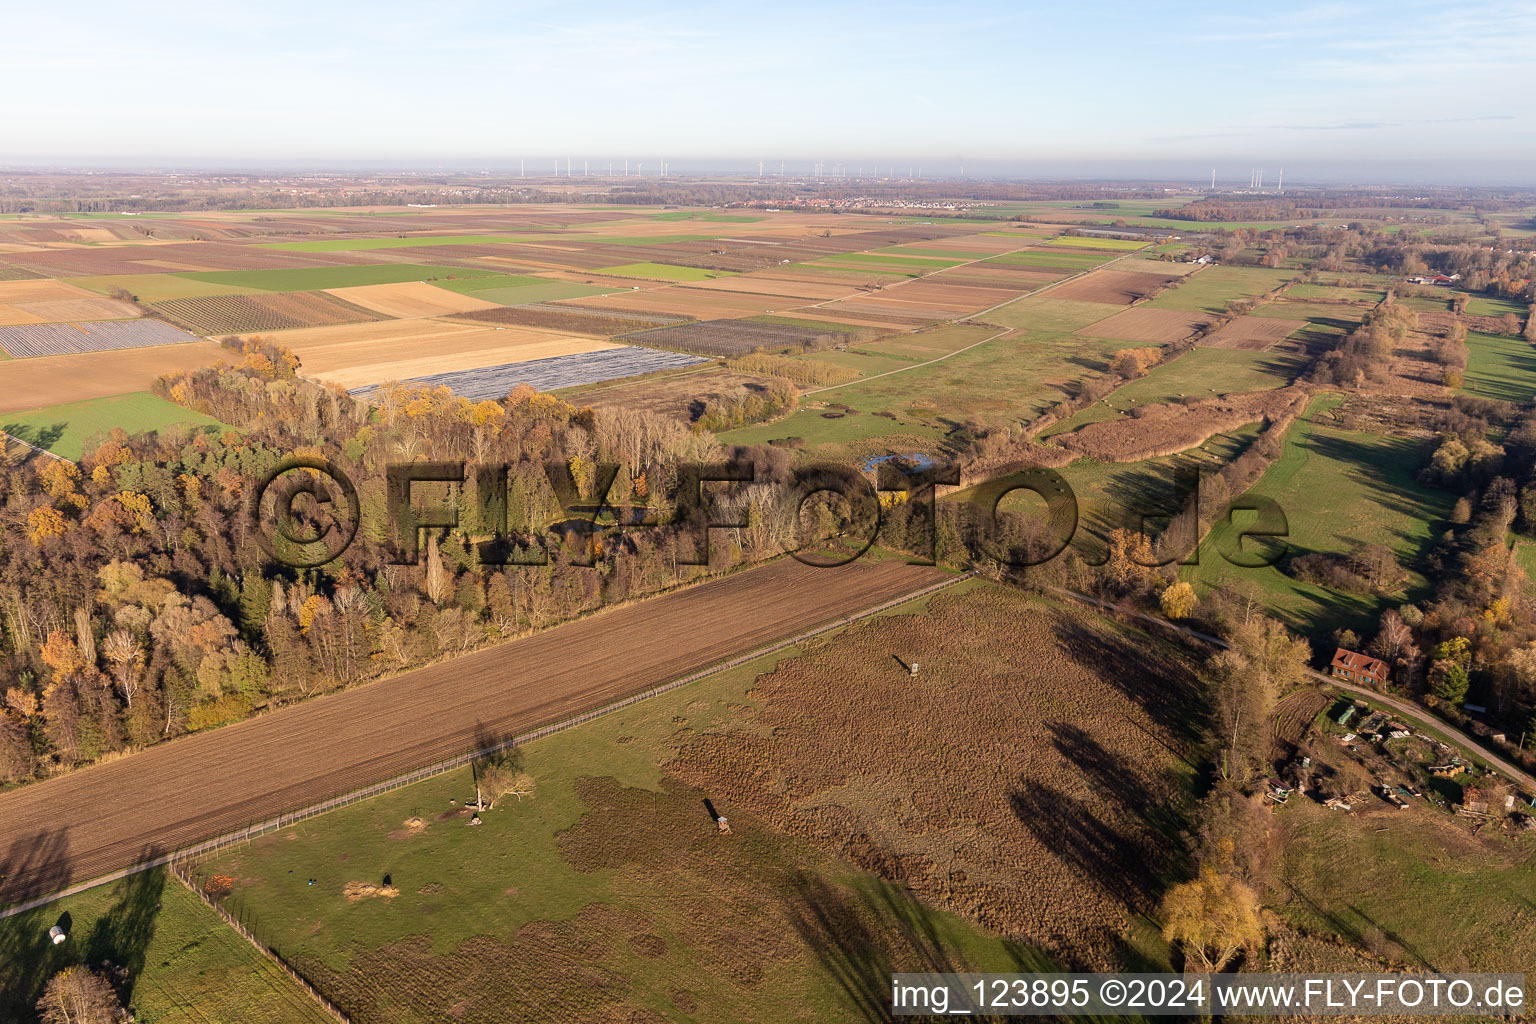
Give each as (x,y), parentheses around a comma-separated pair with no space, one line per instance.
(1179,600)
(1132,563)
(1213,918)
(62,654)
(44,522)
(77,995)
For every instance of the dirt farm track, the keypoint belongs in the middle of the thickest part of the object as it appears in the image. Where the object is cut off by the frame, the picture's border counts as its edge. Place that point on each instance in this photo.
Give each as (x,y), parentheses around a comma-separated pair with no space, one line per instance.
(93,821)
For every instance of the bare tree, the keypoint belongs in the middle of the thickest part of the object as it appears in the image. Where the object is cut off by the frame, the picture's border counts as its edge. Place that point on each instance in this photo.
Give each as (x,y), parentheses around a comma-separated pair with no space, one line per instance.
(77,995)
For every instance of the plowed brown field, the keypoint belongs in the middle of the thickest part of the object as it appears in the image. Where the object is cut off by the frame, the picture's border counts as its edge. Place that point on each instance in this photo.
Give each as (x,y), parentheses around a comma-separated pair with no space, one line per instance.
(104,817)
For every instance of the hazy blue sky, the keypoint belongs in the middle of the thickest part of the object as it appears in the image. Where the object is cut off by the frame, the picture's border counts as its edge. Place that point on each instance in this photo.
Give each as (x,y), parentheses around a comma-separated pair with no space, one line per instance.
(1235,85)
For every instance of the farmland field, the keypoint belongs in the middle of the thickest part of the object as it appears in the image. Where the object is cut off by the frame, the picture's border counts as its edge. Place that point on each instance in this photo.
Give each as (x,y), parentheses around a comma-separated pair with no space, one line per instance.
(660,272)
(1009,380)
(561,318)
(156,287)
(187,966)
(662,916)
(54,380)
(513,290)
(614,849)
(889,262)
(1050,314)
(407,242)
(1112,286)
(1252,333)
(307,279)
(1212,288)
(1200,373)
(63,429)
(1155,326)
(1095,242)
(728,337)
(554,372)
(237,314)
(98,336)
(1063,261)
(306,752)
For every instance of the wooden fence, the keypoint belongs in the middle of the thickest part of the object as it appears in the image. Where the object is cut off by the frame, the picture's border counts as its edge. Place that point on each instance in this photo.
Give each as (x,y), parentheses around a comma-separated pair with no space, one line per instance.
(183,875)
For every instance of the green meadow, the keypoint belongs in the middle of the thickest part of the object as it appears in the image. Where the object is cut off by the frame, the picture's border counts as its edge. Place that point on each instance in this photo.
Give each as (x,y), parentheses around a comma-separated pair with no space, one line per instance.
(1500,367)
(186,966)
(1337,488)
(64,429)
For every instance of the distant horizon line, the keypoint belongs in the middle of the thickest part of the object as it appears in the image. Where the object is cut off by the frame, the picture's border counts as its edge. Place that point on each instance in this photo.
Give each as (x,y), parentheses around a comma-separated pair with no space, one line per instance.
(1442,179)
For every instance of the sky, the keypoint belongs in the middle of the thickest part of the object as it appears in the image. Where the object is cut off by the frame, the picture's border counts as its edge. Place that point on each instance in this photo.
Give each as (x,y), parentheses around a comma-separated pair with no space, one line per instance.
(1021,88)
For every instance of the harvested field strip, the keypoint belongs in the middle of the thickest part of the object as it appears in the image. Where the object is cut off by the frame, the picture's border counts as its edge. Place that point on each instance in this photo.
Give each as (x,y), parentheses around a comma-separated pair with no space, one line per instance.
(729,337)
(1095,242)
(307,752)
(1110,286)
(556,372)
(1059,260)
(63,339)
(12,292)
(1158,326)
(891,262)
(944,254)
(17,274)
(304,279)
(52,380)
(1048,314)
(410,299)
(653,319)
(155,287)
(511,290)
(239,314)
(1252,333)
(559,318)
(853,273)
(660,272)
(61,310)
(419,241)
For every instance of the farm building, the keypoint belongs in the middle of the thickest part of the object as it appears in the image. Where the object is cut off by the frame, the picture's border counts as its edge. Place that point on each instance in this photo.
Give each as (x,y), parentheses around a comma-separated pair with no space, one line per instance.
(1354,667)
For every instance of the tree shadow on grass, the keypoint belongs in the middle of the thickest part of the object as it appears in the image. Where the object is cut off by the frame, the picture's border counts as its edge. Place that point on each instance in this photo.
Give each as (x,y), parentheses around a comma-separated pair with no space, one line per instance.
(1165,690)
